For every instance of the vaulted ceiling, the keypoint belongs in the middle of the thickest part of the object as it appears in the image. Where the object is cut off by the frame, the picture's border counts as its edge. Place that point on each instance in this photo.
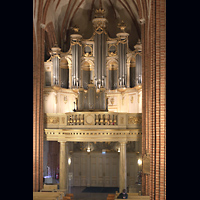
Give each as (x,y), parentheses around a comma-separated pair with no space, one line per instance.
(60,15)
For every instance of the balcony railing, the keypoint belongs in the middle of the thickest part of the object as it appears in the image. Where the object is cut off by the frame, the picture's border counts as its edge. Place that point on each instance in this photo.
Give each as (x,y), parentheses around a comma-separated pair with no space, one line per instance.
(95,120)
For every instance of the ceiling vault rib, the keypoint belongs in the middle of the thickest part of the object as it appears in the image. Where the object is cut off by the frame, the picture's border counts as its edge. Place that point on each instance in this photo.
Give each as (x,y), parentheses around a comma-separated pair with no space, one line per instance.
(130,9)
(113,9)
(140,11)
(61,32)
(135,5)
(45,9)
(92,6)
(57,5)
(75,12)
(69,16)
(100,4)
(133,19)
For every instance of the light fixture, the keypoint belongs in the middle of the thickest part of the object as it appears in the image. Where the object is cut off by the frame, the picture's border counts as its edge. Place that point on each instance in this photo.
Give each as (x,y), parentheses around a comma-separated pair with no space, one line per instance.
(118,150)
(139,161)
(103,151)
(69,161)
(88,149)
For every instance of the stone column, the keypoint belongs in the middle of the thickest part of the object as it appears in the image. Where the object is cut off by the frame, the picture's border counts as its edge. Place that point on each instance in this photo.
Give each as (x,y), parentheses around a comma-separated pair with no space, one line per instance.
(122,167)
(63,173)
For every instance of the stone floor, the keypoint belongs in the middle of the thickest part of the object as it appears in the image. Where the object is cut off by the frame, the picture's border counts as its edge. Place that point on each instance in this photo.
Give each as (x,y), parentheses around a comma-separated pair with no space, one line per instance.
(78,195)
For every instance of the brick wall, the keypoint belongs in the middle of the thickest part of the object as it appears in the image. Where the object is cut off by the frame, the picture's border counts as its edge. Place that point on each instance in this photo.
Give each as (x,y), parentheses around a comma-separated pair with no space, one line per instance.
(38,82)
(154,100)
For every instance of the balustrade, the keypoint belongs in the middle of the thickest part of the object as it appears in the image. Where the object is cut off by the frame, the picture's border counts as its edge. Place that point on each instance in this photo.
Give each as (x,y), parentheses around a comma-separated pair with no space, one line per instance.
(99,119)
(93,119)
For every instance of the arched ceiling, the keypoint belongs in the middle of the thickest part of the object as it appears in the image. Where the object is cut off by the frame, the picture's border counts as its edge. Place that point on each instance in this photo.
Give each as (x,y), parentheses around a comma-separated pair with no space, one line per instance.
(64,14)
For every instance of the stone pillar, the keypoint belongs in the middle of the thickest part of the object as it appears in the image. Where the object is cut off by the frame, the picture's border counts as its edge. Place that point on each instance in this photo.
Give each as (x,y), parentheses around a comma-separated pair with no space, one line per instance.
(122,167)
(63,173)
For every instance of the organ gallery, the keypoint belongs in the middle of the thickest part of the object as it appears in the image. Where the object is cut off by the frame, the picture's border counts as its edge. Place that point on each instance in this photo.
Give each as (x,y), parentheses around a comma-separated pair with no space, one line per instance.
(83,90)
(99,96)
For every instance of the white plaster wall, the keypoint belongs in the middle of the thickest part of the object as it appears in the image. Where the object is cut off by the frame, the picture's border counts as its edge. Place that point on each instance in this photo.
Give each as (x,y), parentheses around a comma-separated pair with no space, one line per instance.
(54,102)
(62,102)
(130,101)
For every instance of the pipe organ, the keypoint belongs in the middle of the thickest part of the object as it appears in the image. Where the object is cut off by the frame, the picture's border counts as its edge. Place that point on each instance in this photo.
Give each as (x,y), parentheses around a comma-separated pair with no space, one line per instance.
(122,57)
(138,73)
(100,36)
(76,49)
(100,62)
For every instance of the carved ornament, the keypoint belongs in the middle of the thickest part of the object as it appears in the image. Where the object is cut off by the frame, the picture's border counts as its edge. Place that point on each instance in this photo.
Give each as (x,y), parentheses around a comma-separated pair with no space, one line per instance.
(51,120)
(134,120)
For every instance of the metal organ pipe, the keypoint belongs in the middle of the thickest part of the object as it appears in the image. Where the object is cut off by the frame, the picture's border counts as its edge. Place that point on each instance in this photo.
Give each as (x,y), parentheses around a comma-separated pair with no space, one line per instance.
(122,47)
(125,68)
(100,59)
(76,59)
(138,69)
(122,64)
(73,65)
(55,61)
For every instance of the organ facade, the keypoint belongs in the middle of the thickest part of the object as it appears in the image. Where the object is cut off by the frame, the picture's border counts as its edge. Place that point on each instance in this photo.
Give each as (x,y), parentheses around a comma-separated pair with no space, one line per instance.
(93,93)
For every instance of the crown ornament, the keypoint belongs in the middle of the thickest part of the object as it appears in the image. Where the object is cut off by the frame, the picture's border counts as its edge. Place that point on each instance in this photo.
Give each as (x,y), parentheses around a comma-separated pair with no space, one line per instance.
(75,29)
(122,26)
(99,13)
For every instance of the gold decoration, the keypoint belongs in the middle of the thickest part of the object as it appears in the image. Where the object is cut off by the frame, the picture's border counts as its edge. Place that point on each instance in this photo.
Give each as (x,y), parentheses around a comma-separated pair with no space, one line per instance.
(131,99)
(112,100)
(51,120)
(99,13)
(75,29)
(88,54)
(134,120)
(122,26)
(65,99)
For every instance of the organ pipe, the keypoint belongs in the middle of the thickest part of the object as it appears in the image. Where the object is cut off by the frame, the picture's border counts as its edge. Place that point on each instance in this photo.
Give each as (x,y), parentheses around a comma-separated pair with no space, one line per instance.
(122,50)
(100,61)
(100,49)
(76,59)
(138,74)
(55,52)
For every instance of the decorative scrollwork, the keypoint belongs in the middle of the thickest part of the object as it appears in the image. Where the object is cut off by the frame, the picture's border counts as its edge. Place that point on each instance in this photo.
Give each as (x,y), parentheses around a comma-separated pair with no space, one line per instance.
(134,120)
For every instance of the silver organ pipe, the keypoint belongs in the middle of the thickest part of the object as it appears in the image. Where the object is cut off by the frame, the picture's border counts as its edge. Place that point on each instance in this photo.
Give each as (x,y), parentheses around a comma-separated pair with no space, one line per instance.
(100,59)
(138,76)
(122,50)
(55,51)
(99,23)
(138,70)
(76,59)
